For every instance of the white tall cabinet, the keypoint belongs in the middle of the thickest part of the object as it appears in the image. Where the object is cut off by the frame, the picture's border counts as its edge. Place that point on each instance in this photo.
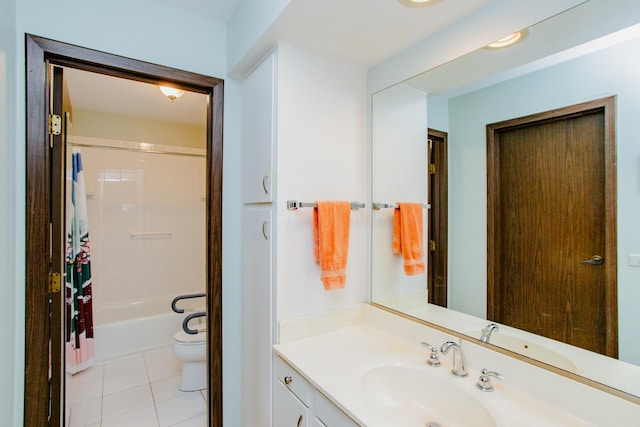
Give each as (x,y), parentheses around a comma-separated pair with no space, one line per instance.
(258,116)
(303,138)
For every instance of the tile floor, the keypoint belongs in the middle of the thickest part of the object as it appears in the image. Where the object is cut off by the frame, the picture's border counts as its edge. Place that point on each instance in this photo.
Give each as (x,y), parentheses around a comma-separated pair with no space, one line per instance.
(140,391)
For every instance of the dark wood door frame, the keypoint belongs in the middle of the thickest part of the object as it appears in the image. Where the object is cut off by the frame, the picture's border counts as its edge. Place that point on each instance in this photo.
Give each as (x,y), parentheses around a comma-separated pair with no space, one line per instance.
(438,218)
(607,106)
(40,52)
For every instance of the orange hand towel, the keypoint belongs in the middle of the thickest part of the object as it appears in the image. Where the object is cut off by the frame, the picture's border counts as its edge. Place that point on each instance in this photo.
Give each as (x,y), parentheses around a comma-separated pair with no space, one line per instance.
(407,236)
(331,241)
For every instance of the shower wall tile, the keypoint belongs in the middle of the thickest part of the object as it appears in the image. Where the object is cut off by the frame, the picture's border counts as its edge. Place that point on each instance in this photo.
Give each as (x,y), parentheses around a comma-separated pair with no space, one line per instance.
(144,192)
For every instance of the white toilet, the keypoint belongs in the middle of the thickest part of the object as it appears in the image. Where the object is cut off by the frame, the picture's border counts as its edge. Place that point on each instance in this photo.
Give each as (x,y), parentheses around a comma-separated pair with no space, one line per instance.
(191,349)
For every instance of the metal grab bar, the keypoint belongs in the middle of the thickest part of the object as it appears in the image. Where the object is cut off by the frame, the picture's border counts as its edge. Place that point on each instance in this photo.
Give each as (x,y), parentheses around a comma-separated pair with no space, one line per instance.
(181,297)
(185,322)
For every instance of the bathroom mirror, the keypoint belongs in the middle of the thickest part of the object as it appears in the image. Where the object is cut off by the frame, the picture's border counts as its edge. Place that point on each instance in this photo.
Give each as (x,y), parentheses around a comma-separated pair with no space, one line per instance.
(584,54)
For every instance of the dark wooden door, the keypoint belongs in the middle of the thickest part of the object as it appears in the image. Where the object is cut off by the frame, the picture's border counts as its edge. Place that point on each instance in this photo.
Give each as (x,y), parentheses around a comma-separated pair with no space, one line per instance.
(551,209)
(437,245)
(59,108)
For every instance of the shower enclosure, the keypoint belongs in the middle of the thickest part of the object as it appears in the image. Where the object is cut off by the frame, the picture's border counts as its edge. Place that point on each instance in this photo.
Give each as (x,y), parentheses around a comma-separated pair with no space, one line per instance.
(146,211)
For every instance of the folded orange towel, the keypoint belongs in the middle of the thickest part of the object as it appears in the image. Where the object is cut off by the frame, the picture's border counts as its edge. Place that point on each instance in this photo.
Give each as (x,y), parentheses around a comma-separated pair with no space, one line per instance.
(331,241)
(407,236)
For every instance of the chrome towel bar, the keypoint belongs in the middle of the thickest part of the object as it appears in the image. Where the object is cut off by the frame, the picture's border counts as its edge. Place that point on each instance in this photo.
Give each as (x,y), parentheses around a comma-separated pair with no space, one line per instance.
(292,205)
(377,206)
(149,233)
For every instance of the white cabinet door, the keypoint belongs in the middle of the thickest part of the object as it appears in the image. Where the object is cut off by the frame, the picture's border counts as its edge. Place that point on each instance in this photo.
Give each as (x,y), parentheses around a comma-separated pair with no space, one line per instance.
(328,414)
(257,332)
(258,122)
(289,411)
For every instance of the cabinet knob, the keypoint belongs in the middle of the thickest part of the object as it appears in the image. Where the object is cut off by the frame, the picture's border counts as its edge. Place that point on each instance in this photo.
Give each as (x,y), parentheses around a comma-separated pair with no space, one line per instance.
(299,421)
(288,380)
(265,183)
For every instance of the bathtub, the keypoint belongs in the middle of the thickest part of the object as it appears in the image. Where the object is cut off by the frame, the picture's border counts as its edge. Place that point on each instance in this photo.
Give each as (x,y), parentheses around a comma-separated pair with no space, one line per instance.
(135,326)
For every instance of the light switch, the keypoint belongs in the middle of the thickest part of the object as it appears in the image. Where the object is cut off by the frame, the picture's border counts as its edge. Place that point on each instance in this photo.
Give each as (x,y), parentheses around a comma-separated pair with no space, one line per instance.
(634,260)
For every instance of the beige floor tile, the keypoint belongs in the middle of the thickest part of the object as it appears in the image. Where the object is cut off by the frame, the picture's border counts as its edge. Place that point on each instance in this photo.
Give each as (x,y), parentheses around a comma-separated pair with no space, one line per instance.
(181,408)
(126,401)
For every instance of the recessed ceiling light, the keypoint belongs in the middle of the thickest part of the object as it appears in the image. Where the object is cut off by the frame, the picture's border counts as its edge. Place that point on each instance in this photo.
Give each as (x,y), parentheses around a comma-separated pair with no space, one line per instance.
(417,3)
(509,40)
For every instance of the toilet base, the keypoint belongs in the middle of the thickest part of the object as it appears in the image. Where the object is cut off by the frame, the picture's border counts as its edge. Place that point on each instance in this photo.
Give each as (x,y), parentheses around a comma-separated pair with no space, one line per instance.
(194,376)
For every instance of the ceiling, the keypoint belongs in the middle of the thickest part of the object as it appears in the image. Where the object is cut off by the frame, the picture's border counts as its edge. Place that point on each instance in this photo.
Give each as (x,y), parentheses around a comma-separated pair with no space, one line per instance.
(361,33)
(113,95)
(364,33)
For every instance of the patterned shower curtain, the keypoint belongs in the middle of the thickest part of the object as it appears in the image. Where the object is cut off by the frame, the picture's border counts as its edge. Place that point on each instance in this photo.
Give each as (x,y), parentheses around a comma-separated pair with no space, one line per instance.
(79,347)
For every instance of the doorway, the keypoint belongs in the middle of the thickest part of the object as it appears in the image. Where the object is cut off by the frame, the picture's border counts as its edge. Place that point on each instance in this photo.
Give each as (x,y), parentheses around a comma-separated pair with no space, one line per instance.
(44,379)
(551,252)
(438,214)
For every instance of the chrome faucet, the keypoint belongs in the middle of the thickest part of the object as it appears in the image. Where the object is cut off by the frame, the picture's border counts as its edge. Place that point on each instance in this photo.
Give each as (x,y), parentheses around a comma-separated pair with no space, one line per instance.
(486,332)
(484,382)
(458,368)
(433,357)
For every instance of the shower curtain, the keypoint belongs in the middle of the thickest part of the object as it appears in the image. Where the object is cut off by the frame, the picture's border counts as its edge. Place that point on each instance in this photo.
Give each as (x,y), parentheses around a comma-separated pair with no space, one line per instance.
(79,346)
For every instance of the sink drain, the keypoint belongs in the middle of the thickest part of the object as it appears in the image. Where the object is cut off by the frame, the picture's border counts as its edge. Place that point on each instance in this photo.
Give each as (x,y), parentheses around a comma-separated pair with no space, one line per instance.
(432,425)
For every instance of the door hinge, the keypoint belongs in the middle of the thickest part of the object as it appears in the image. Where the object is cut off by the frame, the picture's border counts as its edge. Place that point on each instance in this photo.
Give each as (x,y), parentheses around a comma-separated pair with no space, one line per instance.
(55,124)
(54,283)
(432,245)
(432,169)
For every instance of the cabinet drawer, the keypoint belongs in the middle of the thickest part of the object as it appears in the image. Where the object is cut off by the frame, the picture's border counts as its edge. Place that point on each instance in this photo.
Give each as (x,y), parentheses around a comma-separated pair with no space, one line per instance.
(289,411)
(292,380)
(326,413)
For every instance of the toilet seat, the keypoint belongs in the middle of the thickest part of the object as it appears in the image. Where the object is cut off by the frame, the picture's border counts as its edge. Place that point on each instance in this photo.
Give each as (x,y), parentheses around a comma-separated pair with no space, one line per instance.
(185,338)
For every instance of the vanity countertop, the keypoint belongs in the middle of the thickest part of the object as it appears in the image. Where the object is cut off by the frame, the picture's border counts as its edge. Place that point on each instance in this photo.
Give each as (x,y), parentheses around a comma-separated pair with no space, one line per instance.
(335,361)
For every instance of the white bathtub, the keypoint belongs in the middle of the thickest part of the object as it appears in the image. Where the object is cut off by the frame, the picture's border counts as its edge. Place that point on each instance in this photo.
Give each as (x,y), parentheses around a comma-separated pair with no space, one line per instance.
(135,326)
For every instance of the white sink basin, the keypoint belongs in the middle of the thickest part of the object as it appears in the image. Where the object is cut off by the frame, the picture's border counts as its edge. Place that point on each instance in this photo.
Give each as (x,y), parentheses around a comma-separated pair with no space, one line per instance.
(530,349)
(408,397)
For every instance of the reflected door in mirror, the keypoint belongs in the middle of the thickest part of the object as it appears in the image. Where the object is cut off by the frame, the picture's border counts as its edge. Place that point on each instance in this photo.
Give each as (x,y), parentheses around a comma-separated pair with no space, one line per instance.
(547,214)
(438,229)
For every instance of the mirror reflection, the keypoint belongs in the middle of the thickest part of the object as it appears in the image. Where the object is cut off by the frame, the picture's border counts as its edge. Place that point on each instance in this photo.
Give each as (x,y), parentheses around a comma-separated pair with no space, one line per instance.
(509,140)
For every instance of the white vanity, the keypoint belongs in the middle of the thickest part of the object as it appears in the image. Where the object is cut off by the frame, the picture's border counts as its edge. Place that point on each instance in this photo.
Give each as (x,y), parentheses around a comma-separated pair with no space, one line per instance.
(299,403)
(365,366)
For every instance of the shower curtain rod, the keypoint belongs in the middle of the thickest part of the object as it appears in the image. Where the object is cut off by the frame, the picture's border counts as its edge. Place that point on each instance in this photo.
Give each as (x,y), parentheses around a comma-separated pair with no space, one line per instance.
(137,150)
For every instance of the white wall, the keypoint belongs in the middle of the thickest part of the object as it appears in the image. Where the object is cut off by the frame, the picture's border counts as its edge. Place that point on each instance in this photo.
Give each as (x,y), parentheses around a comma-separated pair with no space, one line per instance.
(399,137)
(250,20)
(10,225)
(320,156)
(145,30)
(128,128)
(613,71)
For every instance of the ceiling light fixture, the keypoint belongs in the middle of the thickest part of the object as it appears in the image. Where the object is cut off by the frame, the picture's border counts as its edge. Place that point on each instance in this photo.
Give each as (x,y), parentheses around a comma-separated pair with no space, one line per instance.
(509,40)
(171,92)
(417,3)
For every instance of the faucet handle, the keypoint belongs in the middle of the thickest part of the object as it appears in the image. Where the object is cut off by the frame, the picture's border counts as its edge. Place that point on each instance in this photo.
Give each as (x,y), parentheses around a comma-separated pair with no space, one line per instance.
(433,359)
(484,382)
